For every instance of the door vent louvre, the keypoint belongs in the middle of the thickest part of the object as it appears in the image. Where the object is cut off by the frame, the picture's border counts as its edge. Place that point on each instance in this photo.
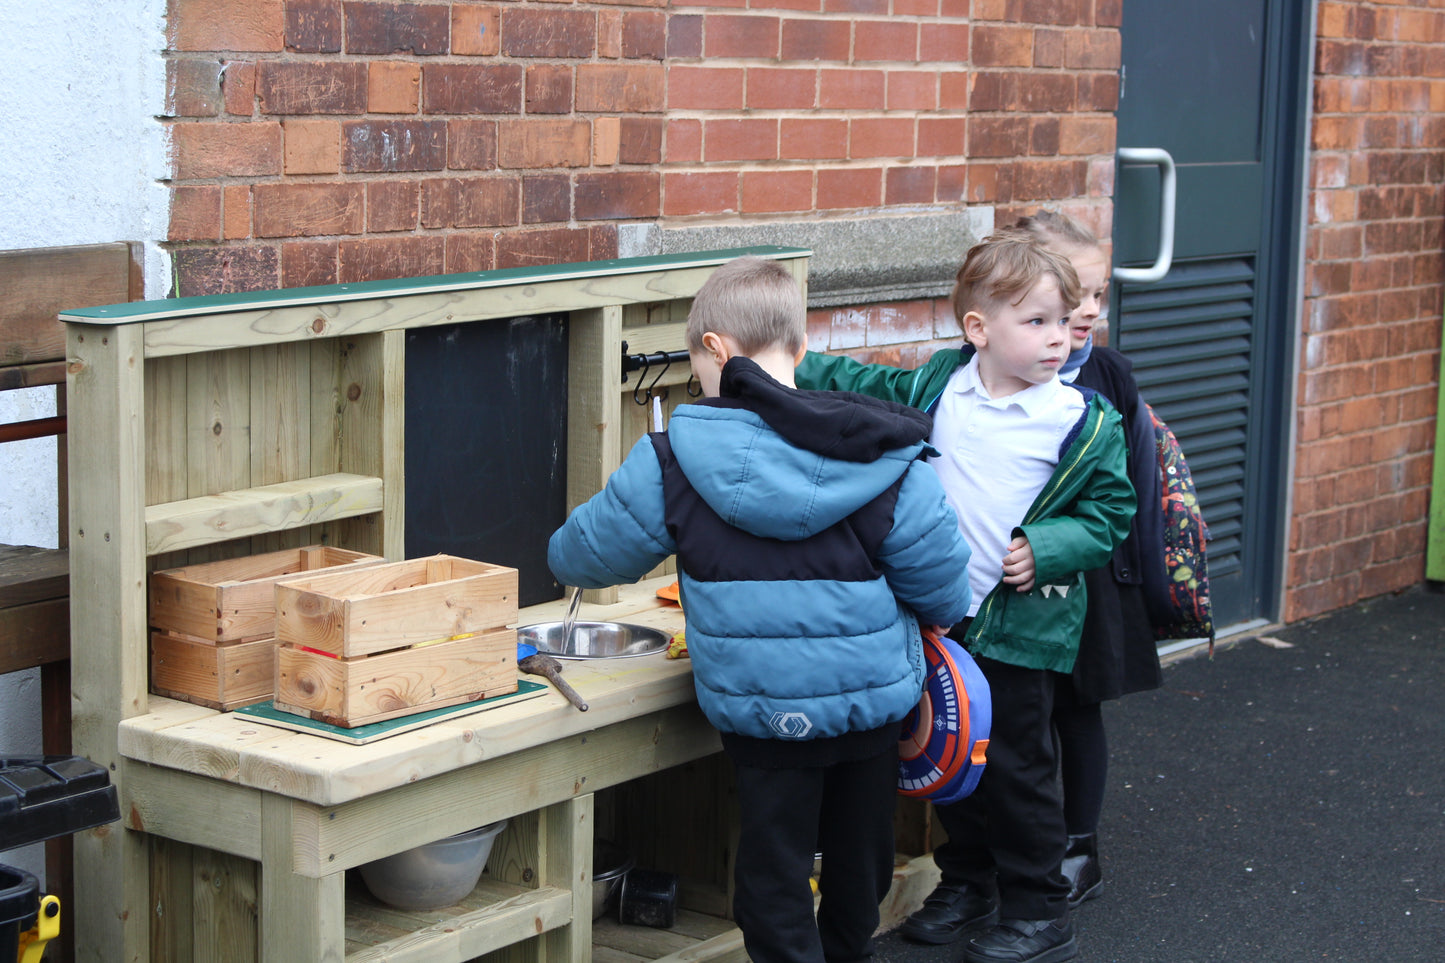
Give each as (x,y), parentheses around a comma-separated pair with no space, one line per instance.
(1190,337)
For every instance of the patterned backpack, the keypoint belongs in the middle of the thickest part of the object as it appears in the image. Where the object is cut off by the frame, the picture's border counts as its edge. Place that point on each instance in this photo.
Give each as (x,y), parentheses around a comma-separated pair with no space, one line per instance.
(1178,596)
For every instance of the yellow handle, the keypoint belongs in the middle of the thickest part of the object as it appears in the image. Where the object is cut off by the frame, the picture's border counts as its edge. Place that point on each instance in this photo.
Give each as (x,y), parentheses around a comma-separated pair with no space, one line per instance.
(46,928)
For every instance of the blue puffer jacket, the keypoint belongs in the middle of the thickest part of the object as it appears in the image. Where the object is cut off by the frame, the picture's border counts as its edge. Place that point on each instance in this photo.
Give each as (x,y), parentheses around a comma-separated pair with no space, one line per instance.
(811,541)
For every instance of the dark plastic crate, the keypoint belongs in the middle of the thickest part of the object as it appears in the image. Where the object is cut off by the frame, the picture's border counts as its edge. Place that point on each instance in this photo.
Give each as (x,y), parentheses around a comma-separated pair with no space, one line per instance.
(45,797)
(19,908)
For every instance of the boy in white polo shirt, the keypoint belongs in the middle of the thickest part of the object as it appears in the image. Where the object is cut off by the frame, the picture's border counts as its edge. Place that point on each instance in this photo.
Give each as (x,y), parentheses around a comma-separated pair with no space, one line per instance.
(1036,470)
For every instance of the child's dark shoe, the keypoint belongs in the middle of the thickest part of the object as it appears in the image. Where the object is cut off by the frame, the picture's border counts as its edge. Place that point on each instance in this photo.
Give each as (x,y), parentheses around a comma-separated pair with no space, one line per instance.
(1024,941)
(1081,869)
(949,912)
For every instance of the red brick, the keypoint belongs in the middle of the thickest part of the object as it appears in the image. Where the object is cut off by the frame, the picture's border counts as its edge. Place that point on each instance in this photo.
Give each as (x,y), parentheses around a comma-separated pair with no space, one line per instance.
(459,202)
(1093,50)
(470,252)
(953,182)
(886,40)
(641,140)
(811,6)
(549,89)
(468,89)
(813,138)
(644,35)
(546,197)
(472,145)
(712,192)
(238,87)
(394,145)
(541,144)
(731,35)
(1051,11)
(391,28)
(236,212)
(392,206)
(537,248)
(475,32)
(195,214)
(777,191)
(616,195)
(684,35)
(683,142)
(1003,46)
(912,90)
(609,34)
(204,150)
(849,187)
(818,40)
(309,210)
(855,6)
(193,88)
(881,137)
(733,140)
(606,141)
(220,25)
(945,43)
(311,88)
(1047,92)
(548,32)
(308,263)
(1108,13)
(1097,92)
(313,26)
(393,87)
(909,185)
(225,270)
(1040,180)
(942,136)
(852,89)
(979,90)
(378,259)
(621,88)
(782,88)
(998,137)
(312,146)
(704,88)
(1050,47)
(1044,136)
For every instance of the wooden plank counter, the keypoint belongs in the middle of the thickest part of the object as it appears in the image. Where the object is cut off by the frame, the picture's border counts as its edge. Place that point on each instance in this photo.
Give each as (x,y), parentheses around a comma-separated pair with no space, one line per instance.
(307,808)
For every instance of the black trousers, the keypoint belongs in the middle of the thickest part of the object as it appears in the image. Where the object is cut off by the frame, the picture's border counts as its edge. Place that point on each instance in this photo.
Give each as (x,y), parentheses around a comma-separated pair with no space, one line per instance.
(1009,836)
(845,812)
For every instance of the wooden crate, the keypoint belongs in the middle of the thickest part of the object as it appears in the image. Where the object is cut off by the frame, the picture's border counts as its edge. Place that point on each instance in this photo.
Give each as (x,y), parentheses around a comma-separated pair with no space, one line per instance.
(235,599)
(222,677)
(351,692)
(370,610)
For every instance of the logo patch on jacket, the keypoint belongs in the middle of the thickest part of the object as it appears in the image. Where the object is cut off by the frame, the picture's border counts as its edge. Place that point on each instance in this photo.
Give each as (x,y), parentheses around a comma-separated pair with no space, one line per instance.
(791,725)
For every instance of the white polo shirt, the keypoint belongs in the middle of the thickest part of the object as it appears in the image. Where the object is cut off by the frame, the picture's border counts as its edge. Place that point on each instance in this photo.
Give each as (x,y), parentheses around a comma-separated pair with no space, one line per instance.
(996,455)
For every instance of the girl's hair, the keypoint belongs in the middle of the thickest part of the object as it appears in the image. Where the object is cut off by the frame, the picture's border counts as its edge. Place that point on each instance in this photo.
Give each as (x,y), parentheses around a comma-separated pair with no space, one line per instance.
(1056,230)
(1004,267)
(755,301)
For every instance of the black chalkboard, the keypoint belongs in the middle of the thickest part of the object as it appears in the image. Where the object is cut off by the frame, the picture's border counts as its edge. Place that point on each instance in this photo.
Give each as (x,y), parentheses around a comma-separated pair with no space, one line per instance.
(486,444)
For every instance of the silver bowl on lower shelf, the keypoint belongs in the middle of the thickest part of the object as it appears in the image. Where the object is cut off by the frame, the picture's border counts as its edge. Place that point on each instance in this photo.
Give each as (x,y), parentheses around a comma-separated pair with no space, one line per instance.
(594,640)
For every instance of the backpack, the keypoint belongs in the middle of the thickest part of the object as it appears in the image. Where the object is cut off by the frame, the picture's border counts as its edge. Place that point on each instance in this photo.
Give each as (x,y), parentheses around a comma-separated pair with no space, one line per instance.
(944,740)
(1178,594)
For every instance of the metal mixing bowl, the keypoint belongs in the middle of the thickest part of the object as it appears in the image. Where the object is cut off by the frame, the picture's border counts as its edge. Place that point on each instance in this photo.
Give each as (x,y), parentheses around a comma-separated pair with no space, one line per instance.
(437,874)
(593,640)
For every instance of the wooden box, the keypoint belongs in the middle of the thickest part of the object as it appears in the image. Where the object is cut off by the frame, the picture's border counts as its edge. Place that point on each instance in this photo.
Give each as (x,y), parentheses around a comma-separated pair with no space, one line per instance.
(369,610)
(353,692)
(235,599)
(223,677)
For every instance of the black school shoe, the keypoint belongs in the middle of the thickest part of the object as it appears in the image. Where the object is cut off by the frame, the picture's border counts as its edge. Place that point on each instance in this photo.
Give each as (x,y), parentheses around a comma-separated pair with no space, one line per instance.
(950,911)
(1081,869)
(1024,941)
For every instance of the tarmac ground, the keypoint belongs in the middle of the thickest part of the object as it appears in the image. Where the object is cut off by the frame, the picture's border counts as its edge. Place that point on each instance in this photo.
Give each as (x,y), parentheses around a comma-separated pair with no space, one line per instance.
(1281,803)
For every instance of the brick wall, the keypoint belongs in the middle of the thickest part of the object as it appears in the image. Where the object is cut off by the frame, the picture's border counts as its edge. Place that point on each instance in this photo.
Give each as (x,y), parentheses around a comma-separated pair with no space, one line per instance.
(1369,355)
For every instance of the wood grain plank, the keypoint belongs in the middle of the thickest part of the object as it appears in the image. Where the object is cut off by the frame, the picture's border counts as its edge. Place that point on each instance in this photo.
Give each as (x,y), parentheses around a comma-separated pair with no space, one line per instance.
(36,284)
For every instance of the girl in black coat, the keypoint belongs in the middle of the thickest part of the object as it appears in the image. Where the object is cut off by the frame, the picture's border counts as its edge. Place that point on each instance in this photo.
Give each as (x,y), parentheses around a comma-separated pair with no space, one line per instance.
(1117,651)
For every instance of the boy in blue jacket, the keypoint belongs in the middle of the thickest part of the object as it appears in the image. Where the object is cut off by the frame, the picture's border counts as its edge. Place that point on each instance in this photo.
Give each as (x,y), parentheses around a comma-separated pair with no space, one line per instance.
(1036,469)
(811,541)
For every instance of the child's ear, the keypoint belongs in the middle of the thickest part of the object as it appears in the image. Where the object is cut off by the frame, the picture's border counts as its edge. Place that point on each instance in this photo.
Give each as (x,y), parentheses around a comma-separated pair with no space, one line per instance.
(973,329)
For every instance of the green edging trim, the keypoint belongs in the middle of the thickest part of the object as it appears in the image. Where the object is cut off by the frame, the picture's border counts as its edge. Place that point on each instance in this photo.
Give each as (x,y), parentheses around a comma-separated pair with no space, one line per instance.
(134,311)
(1435,537)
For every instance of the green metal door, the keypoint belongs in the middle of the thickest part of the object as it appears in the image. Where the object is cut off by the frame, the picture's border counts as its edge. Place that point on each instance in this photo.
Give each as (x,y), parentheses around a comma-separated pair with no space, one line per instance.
(1220,87)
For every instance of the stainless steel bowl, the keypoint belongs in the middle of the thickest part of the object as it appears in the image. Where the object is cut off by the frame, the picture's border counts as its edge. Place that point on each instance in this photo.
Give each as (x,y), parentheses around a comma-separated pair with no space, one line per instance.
(436,874)
(593,640)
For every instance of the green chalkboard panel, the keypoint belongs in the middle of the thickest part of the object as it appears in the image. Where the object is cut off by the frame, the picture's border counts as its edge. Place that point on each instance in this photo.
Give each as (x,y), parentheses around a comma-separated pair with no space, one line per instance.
(486,444)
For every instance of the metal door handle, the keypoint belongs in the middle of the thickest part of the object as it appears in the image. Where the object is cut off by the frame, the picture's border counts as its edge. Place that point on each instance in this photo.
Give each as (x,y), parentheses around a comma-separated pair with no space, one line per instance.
(1165,163)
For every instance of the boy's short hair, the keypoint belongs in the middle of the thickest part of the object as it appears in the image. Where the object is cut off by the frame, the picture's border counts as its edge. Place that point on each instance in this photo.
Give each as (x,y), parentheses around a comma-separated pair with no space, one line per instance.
(1058,230)
(755,301)
(1004,267)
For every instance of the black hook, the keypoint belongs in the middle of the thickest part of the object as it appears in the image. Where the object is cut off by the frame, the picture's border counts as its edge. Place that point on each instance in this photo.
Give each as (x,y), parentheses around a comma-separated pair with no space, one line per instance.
(640,379)
(691,379)
(666,363)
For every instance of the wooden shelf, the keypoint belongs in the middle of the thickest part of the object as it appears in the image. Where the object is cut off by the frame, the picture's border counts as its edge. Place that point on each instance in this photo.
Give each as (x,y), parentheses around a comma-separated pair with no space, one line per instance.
(208,519)
(493,915)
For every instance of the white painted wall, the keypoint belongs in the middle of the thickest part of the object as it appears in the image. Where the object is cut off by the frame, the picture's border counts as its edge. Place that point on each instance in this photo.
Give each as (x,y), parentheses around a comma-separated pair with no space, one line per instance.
(81,85)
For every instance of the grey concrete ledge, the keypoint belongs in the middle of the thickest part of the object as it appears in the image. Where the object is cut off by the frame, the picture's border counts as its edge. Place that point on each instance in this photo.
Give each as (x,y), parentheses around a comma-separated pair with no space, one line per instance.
(866,259)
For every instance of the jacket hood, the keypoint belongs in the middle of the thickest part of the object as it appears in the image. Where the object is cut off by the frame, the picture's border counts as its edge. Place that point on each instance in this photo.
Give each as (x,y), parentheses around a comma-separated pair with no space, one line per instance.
(786,463)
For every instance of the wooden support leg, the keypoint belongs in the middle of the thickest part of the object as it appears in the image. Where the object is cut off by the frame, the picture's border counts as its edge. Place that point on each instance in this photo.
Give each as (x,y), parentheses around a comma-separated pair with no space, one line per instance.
(301,918)
(566,833)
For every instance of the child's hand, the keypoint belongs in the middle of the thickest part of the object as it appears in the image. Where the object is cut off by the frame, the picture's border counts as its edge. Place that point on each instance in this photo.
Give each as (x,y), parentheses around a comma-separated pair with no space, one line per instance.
(1018,565)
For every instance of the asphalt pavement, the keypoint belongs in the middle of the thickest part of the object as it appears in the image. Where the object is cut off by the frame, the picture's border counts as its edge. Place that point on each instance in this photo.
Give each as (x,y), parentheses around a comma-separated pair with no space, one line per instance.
(1282,803)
